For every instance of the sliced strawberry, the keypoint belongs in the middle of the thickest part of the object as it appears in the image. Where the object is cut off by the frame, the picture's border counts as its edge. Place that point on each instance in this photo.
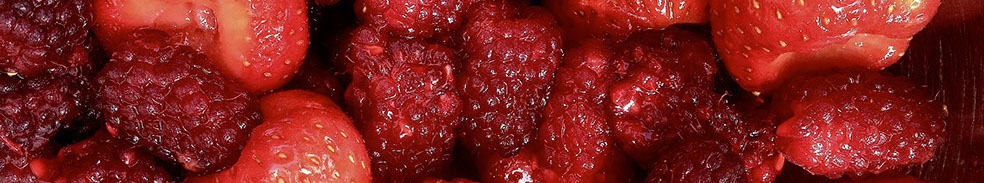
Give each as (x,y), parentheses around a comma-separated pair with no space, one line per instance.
(621,18)
(305,137)
(764,42)
(260,44)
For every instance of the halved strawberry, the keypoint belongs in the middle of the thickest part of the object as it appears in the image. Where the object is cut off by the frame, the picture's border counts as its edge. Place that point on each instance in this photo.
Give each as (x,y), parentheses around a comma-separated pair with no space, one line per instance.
(305,137)
(260,44)
(764,42)
(620,18)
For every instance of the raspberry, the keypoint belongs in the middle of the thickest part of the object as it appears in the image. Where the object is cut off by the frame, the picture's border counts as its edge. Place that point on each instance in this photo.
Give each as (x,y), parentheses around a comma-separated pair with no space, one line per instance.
(698,159)
(101,158)
(413,18)
(511,53)
(857,124)
(43,35)
(662,91)
(32,111)
(405,104)
(15,168)
(168,100)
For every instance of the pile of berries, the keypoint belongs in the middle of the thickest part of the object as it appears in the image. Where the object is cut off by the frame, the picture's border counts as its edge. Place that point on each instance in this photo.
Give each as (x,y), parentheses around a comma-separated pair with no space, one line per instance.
(461,90)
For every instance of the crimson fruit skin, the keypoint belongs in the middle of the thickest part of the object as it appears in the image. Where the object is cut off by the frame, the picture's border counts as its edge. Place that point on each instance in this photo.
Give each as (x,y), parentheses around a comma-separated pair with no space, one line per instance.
(33,111)
(522,167)
(510,54)
(305,137)
(662,91)
(754,39)
(15,168)
(404,102)
(857,123)
(43,36)
(621,18)
(101,158)
(170,101)
(698,159)
(413,18)
(577,143)
(259,44)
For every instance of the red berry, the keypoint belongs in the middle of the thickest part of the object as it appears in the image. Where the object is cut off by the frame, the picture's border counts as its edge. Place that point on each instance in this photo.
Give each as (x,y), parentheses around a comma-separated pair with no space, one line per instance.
(403,97)
(32,111)
(15,168)
(698,159)
(522,167)
(765,42)
(455,180)
(305,137)
(413,18)
(662,91)
(101,158)
(259,44)
(857,124)
(621,18)
(170,101)
(37,36)
(316,75)
(511,52)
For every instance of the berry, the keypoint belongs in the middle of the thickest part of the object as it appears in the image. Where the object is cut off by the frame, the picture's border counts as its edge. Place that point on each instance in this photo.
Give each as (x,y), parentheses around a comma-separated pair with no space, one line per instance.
(857,124)
(32,111)
(510,52)
(765,42)
(15,168)
(170,101)
(522,167)
(404,102)
(317,76)
(662,91)
(43,35)
(698,159)
(259,44)
(455,180)
(578,145)
(413,18)
(621,18)
(305,137)
(101,158)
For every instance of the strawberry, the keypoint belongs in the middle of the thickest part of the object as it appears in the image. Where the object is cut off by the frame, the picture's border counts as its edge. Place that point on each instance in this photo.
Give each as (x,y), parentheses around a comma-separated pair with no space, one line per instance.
(765,42)
(259,44)
(620,18)
(305,137)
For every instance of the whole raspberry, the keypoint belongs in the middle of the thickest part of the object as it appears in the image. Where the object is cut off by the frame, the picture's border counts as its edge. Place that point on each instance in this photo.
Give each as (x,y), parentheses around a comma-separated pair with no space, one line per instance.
(101,158)
(405,104)
(698,159)
(662,91)
(32,111)
(511,53)
(413,18)
(43,35)
(168,100)
(857,123)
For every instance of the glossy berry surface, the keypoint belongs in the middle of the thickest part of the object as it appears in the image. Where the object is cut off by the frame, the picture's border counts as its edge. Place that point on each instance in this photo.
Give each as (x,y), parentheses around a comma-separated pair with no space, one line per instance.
(45,35)
(511,52)
(698,159)
(857,124)
(304,137)
(101,158)
(167,99)
(413,18)
(621,18)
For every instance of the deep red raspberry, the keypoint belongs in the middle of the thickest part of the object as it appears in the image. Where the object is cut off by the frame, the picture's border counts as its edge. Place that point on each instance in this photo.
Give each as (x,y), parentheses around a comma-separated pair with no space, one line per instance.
(662,92)
(32,111)
(43,35)
(318,76)
(15,168)
(753,138)
(168,100)
(857,123)
(101,158)
(621,18)
(698,159)
(578,145)
(522,167)
(405,104)
(511,53)
(413,18)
